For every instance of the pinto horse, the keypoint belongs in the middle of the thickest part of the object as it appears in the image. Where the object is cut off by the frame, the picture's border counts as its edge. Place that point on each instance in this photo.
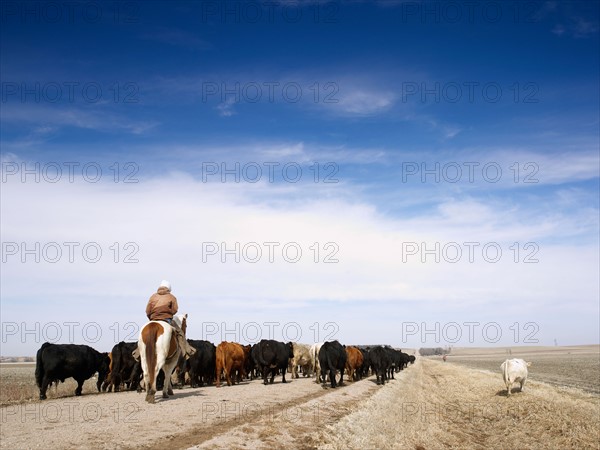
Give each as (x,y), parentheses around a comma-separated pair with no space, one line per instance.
(159,349)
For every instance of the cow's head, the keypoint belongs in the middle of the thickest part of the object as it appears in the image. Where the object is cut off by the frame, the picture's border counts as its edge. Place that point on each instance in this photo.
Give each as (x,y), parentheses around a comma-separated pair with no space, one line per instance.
(103,369)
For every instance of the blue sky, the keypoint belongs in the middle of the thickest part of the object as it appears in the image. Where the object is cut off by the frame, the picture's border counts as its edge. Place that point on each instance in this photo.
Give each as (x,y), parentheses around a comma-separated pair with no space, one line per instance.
(497,101)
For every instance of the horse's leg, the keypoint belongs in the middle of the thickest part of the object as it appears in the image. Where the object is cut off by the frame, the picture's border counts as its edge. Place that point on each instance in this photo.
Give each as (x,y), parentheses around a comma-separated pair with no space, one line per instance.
(168,370)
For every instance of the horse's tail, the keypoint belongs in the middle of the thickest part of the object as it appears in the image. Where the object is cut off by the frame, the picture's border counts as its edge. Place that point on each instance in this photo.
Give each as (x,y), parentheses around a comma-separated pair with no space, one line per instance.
(39,365)
(150,335)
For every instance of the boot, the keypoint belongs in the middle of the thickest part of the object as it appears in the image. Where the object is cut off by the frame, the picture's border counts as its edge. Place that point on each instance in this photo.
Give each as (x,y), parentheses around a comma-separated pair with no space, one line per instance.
(186,348)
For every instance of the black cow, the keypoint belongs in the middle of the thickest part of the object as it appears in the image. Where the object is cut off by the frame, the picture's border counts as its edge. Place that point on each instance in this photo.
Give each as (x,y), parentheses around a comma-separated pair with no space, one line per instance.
(404,360)
(124,368)
(394,362)
(412,359)
(380,361)
(270,356)
(201,366)
(56,362)
(366,366)
(332,357)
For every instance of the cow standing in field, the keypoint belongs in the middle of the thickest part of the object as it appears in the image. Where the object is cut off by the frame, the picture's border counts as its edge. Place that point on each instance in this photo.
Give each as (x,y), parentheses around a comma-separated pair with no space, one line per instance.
(56,362)
(380,361)
(514,371)
(124,369)
(314,355)
(201,366)
(404,360)
(354,362)
(270,356)
(230,358)
(366,365)
(301,358)
(332,357)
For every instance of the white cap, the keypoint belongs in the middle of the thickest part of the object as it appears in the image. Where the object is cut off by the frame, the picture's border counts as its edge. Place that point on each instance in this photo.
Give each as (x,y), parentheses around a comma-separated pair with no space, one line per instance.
(165,283)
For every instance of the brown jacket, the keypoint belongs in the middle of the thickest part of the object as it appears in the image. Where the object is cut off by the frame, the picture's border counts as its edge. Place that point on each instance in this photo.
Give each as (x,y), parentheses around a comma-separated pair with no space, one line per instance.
(162,305)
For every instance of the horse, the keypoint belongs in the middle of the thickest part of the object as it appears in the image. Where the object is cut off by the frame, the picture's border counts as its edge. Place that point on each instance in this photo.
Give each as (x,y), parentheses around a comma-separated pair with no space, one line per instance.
(159,349)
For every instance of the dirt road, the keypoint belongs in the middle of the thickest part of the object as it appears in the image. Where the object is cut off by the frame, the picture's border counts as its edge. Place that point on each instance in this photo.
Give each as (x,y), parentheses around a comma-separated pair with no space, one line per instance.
(430,405)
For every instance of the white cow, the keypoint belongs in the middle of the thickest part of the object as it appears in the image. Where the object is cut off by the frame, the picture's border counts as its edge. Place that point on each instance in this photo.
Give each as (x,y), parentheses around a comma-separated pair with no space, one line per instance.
(314,354)
(301,358)
(514,371)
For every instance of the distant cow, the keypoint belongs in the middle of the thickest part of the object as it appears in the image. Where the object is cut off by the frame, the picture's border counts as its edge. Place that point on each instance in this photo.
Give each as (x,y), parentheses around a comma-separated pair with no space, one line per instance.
(201,366)
(404,360)
(332,357)
(56,362)
(366,365)
(229,359)
(412,359)
(514,371)
(380,361)
(270,356)
(354,363)
(314,355)
(301,358)
(124,369)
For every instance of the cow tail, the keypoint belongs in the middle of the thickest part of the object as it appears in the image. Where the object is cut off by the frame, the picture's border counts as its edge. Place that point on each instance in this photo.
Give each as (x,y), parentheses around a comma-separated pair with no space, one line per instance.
(150,344)
(115,363)
(329,364)
(39,365)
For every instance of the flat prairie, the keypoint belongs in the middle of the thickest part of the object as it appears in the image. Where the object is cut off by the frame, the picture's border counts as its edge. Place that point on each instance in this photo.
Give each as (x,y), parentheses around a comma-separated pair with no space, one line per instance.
(460,404)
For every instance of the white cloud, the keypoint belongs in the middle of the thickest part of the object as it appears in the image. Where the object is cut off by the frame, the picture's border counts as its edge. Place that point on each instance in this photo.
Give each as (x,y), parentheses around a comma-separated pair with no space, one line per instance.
(360,102)
(226,108)
(170,217)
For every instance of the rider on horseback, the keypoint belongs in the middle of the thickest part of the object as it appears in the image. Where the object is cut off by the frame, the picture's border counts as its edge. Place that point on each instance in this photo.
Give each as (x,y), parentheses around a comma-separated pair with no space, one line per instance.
(163,306)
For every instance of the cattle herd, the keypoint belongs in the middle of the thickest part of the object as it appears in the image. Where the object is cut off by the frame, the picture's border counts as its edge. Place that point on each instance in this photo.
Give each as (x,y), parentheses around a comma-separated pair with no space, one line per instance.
(229,361)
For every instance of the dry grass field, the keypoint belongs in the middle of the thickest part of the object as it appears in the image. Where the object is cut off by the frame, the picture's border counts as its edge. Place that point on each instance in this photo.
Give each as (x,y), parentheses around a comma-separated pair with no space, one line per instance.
(577,366)
(431,405)
(17,385)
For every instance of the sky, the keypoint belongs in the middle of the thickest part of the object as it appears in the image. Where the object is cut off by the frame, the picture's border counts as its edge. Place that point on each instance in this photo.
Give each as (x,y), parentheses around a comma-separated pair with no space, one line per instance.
(419,174)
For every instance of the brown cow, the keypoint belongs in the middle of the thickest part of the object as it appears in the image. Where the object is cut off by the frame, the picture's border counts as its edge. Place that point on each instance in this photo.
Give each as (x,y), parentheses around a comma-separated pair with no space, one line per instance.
(354,362)
(230,358)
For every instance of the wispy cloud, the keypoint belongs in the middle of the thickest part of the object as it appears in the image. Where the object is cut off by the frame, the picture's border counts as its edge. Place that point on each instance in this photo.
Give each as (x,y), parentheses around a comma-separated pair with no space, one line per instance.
(48,119)
(226,108)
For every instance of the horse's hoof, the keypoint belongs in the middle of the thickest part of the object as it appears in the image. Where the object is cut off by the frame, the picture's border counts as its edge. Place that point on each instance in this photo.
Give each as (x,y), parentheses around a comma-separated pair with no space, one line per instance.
(170,391)
(165,395)
(150,398)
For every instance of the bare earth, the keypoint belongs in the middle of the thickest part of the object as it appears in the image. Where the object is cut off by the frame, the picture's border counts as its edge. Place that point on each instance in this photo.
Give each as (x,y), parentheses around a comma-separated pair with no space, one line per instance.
(430,405)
